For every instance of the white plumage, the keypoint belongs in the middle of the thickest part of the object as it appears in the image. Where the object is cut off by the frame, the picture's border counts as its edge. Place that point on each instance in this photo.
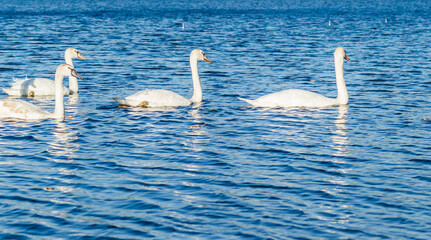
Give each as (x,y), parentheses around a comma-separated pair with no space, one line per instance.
(307,99)
(166,98)
(43,86)
(19,109)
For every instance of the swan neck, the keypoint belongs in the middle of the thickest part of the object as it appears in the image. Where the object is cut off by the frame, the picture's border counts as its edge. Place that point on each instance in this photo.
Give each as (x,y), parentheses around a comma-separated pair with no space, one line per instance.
(59,96)
(343,97)
(73,85)
(197,87)
(68,59)
(73,81)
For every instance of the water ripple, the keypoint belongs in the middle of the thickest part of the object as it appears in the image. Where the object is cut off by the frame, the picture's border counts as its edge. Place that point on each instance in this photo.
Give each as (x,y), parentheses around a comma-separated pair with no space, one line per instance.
(220,169)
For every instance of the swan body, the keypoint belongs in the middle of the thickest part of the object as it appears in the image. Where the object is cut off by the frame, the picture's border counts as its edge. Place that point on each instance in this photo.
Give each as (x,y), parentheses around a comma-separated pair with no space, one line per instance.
(33,87)
(293,98)
(155,98)
(19,109)
(307,99)
(166,98)
(43,86)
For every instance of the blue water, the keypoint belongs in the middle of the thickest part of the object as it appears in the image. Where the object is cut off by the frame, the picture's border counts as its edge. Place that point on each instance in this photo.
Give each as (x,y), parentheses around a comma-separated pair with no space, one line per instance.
(221,169)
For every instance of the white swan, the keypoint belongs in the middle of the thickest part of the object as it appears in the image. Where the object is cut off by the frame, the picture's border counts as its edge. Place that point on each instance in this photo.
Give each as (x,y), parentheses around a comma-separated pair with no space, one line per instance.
(166,98)
(19,109)
(42,86)
(302,98)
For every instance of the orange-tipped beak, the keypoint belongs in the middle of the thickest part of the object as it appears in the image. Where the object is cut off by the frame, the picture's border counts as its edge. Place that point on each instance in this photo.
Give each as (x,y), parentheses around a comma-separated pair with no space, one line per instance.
(207,60)
(81,57)
(347,58)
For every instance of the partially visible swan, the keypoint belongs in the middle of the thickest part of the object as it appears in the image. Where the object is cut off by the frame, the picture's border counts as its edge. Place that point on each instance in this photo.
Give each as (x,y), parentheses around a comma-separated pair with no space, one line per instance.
(19,109)
(42,86)
(166,98)
(302,98)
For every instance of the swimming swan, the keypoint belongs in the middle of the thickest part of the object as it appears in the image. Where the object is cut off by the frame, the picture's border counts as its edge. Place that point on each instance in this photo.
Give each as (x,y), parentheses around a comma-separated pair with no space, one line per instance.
(302,98)
(19,109)
(166,98)
(42,86)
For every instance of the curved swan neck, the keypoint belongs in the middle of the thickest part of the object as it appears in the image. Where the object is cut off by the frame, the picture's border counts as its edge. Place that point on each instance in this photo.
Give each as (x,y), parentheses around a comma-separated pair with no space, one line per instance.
(197,88)
(343,97)
(73,85)
(59,96)
(73,82)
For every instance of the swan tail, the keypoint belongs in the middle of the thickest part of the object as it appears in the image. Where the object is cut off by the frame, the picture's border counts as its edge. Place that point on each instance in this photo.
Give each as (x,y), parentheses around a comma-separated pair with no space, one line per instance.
(9,91)
(122,102)
(16,88)
(247,100)
(14,92)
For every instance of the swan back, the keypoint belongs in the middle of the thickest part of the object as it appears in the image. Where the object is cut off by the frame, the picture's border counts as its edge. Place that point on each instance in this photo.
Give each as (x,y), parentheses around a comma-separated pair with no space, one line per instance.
(19,109)
(293,98)
(155,98)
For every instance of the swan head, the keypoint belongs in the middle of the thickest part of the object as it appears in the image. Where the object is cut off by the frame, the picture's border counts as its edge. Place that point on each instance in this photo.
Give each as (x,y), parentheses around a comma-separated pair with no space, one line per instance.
(199,55)
(67,70)
(341,53)
(73,53)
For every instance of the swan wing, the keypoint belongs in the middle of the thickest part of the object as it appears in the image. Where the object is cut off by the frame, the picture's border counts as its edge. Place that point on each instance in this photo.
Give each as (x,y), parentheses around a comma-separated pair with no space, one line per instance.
(18,109)
(155,98)
(293,98)
(33,87)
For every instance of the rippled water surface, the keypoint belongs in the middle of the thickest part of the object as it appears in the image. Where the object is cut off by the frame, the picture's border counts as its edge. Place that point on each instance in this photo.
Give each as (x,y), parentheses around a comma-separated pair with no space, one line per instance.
(220,169)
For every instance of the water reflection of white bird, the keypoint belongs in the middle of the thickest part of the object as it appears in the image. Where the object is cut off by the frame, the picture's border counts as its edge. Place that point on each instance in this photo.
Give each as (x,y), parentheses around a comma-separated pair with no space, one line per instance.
(198,133)
(339,137)
(64,144)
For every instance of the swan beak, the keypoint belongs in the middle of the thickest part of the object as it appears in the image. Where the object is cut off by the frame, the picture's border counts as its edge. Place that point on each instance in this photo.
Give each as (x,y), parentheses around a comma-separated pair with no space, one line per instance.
(81,57)
(206,59)
(347,58)
(75,74)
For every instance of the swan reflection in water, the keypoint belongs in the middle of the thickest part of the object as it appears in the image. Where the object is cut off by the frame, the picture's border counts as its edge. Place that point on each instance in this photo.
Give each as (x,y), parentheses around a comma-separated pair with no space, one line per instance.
(63,144)
(339,137)
(198,126)
(198,135)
